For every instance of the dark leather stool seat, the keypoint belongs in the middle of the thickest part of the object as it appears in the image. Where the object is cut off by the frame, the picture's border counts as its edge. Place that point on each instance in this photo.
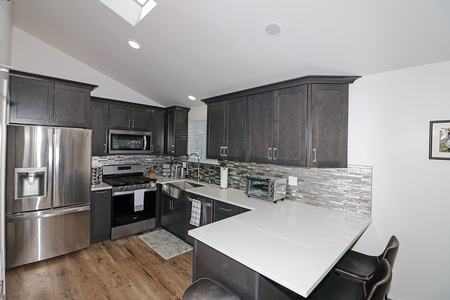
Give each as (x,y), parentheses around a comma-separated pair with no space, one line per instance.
(207,289)
(335,287)
(359,266)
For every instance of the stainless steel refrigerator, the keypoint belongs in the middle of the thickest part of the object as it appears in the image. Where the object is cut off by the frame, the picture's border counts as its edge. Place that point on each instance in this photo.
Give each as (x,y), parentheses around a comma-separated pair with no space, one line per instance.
(48,186)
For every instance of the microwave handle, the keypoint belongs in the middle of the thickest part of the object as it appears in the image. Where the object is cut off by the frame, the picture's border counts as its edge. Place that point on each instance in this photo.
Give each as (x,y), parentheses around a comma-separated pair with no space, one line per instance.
(145,142)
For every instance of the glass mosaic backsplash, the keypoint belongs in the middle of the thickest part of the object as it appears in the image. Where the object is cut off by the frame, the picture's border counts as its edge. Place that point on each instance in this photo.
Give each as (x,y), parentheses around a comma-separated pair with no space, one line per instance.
(344,189)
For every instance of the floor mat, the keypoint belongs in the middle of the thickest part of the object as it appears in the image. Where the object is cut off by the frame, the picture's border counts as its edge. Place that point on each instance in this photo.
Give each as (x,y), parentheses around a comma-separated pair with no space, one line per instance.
(165,244)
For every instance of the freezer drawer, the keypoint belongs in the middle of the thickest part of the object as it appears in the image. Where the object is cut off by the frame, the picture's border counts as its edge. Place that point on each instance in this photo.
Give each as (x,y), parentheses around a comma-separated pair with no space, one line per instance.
(40,235)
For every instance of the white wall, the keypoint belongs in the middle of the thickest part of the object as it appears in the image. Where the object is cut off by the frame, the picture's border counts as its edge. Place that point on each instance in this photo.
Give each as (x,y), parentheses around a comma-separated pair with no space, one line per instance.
(5,32)
(389,130)
(32,55)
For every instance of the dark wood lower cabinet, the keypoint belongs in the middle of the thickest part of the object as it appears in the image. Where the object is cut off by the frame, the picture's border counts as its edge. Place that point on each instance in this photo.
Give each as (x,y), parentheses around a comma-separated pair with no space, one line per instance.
(248,284)
(100,215)
(173,216)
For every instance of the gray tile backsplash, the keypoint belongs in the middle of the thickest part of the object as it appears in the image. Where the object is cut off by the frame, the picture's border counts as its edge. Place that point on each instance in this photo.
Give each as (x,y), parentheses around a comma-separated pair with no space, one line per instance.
(344,189)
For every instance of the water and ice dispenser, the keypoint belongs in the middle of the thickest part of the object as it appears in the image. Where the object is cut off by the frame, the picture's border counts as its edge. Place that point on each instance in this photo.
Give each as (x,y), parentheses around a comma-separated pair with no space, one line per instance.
(30,182)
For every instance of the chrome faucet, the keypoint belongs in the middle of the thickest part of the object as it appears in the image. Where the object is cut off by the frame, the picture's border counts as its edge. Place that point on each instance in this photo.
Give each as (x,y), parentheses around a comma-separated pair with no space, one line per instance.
(198,165)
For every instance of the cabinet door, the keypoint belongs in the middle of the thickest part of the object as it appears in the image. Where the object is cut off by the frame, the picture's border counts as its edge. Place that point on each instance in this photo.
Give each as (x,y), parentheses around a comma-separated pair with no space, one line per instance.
(176,131)
(100,216)
(31,101)
(157,119)
(99,121)
(216,130)
(290,126)
(235,129)
(180,228)
(260,127)
(119,116)
(167,213)
(141,118)
(71,105)
(329,117)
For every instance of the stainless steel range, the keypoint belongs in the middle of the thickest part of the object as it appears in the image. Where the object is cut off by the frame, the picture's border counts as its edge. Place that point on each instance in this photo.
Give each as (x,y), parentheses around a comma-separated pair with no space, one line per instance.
(133,199)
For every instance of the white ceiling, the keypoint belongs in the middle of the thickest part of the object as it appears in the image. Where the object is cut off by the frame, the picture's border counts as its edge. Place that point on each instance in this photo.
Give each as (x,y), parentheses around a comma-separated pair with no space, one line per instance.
(211,47)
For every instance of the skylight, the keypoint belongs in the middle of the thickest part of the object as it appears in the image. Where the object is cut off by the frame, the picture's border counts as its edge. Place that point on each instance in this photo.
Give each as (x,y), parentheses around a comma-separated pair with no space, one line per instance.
(131,11)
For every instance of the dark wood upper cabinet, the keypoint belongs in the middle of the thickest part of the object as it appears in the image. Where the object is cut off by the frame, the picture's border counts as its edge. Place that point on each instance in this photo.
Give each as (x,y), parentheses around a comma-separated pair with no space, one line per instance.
(99,122)
(226,125)
(260,127)
(298,122)
(329,125)
(176,130)
(157,119)
(130,117)
(290,126)
(43,100)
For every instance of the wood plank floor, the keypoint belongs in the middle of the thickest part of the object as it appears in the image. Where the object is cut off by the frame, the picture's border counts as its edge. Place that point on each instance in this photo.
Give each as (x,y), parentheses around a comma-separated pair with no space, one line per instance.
(122,269)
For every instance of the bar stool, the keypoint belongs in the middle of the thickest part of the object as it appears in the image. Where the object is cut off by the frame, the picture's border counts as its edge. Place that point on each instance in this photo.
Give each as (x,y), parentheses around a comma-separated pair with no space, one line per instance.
(335,287)
(207,289)
(360,267)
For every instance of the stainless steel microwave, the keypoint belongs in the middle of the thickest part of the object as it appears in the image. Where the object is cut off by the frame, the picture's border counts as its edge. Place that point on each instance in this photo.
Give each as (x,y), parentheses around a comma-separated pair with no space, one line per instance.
(266,188)
(129,142)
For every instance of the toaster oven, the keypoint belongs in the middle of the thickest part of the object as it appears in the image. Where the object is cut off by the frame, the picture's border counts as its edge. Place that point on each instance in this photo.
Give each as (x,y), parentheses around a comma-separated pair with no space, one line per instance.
(266,188)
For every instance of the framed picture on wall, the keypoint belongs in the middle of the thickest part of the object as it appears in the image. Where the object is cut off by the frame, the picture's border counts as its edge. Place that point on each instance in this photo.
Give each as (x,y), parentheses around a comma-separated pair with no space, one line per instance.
(440,140)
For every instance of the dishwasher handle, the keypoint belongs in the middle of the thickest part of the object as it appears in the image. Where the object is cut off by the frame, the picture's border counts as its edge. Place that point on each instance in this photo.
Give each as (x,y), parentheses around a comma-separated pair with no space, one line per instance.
(203,202)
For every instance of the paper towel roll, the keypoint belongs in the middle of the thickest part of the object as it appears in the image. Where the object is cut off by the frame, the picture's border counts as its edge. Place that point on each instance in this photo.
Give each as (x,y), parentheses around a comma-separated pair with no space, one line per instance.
(223,178)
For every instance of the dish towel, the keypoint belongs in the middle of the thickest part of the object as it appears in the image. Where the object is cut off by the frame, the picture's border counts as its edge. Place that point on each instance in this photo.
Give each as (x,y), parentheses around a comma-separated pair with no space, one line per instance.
(196,212)
(139,200)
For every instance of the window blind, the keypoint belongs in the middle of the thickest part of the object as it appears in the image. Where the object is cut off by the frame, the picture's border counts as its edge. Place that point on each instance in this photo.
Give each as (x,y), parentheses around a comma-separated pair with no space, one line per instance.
(197,138)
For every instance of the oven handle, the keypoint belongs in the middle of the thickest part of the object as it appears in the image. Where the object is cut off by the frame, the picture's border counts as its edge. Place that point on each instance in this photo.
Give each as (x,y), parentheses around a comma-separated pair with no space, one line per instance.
(132,192)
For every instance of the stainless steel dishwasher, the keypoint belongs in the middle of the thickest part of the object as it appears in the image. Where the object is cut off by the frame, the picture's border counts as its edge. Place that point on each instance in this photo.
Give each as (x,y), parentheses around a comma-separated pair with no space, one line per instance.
(206,214)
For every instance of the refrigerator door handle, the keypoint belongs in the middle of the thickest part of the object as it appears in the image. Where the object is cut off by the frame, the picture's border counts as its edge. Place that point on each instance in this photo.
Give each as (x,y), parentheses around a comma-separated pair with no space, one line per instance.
(45,213)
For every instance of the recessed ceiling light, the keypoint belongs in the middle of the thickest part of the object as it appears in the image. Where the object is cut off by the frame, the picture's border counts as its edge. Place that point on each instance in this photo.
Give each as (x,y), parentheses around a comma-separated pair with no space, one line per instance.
(273,29)
(191,98)
(133,44)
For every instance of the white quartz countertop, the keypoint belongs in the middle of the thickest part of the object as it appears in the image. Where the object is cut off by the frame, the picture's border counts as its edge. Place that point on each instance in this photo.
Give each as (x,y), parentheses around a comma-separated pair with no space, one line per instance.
(100,186)
(291,243)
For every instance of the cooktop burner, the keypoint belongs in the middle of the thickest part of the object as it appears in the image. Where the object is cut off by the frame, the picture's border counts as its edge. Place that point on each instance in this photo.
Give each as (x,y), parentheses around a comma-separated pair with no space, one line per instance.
(129,180)
(127,177)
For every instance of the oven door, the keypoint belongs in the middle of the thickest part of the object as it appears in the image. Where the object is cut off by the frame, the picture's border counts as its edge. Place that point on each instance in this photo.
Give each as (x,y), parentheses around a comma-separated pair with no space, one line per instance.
(129,142)
(133,212)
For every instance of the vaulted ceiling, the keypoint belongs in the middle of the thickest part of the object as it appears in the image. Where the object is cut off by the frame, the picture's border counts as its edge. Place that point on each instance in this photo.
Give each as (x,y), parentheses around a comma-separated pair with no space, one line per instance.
(211,47)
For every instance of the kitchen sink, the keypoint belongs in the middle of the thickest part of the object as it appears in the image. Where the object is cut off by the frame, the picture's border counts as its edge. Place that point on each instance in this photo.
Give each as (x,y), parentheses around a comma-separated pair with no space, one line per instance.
(177,189)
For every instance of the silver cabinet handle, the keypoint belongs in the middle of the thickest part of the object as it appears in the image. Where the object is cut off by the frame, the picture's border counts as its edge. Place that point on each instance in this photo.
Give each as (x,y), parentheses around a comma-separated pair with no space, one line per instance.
(129,123)
(225,151)
(221,151)
(151,148)
(274,153)
(105,148)
(132,123)
(314,156)
(228,210)
(269,153)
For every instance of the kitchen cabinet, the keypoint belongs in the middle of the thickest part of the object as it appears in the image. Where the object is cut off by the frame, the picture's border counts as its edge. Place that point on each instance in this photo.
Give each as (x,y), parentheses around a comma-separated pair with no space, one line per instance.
(299,122)
(176,130)
(157,121)
(43,100)
(129,117)
(99,122)
(277,126)
(223,210)
(226,129)
(100,215)
(173,215)
(329,129)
